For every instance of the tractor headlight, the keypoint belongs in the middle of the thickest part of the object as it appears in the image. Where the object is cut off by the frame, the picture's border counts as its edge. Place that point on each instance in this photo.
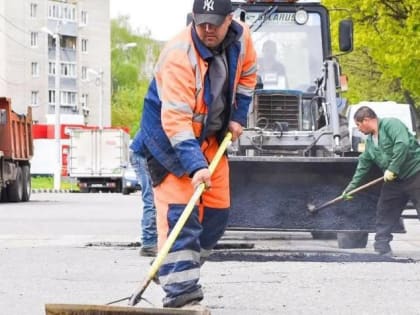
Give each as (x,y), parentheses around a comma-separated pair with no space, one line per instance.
(301,16)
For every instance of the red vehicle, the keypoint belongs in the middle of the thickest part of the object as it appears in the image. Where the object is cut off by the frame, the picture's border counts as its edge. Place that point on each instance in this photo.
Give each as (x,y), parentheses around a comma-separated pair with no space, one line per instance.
(16,150)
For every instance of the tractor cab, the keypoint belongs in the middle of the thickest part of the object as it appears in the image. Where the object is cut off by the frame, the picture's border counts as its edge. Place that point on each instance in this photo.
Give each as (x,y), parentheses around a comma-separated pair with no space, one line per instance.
(290,42)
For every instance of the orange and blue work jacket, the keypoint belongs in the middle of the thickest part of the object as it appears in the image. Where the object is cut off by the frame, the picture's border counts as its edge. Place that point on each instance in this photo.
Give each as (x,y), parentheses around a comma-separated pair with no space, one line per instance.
(176,105)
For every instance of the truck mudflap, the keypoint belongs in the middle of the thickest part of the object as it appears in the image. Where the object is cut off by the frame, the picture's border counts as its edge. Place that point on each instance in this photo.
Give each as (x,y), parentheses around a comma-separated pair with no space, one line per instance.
(274,193)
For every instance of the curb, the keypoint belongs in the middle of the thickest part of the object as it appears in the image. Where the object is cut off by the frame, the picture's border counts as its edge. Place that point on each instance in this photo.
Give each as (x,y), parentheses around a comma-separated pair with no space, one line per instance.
(34,191)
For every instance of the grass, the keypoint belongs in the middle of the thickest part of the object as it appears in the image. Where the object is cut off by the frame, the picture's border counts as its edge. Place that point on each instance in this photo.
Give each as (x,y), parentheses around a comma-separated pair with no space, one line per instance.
(47,182)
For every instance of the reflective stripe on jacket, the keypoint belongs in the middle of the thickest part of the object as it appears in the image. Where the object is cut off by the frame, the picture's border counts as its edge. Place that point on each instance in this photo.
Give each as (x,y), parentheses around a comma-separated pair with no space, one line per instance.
(176,105)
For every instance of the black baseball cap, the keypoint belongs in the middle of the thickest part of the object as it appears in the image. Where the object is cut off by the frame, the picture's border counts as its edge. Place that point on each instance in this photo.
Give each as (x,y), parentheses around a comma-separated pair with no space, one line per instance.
(211,11)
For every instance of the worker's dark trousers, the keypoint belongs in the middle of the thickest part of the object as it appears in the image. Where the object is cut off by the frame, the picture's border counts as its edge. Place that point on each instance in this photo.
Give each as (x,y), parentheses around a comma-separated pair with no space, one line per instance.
(393,199)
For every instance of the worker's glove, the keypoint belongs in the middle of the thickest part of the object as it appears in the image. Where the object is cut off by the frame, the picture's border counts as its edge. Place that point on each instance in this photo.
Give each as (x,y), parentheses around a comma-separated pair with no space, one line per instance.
(345,195)
(389,176)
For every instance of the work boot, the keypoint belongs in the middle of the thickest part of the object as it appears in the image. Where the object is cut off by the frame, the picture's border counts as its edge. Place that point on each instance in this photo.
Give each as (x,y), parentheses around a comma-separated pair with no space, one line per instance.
(195,305)
(148,251)
(383,250)
(384,253)
(387,254)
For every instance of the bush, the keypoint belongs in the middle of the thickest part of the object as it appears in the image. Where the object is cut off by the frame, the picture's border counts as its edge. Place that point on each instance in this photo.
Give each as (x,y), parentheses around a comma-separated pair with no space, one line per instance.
(47,182)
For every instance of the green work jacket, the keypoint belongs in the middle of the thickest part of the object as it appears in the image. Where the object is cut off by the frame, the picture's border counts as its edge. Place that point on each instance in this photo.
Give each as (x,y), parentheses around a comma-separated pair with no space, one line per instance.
(397,151)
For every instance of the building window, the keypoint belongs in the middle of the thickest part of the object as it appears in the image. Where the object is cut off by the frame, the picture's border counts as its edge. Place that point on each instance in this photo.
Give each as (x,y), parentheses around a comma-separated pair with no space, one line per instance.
(68,70)
(53,11)
(83,17)
(51,68)
(68,42)
(69,13)
(66,13)
(35,69)
(34,7)
(84,45)
(34,98)
(51,97)
(34,39)
(68,98)
(84,73)
(51,42)
(62,11)
(84,101)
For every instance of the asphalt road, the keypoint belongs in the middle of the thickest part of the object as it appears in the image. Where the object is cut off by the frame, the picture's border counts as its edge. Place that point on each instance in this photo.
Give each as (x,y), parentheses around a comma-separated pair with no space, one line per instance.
(81,248)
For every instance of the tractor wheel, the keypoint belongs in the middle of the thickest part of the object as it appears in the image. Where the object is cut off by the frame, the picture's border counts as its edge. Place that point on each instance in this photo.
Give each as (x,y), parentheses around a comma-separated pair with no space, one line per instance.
(352,239)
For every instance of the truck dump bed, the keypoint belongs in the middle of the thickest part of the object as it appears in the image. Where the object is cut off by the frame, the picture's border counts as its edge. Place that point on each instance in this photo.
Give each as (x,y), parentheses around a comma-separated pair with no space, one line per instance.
(15,132)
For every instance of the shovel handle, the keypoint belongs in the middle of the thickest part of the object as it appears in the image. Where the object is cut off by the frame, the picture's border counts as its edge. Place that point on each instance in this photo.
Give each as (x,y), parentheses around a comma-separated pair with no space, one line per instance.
(351,192)
(371,183)
(163,252)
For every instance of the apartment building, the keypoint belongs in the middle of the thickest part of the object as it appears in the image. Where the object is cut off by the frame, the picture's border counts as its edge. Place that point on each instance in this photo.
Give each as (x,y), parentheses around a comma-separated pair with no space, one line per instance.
(29,32)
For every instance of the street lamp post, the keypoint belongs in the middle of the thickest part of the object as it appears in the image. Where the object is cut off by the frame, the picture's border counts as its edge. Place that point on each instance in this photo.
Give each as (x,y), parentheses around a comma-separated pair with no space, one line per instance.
(100,80)
(101,97)
(57,126)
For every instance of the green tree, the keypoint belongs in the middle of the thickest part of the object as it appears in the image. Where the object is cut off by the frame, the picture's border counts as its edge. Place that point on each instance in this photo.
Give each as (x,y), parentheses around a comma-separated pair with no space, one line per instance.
(130,72)
(385,63)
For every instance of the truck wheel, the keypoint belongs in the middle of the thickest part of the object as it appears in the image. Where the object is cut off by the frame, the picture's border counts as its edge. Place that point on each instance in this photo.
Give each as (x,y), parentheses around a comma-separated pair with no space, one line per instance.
(352,239)
(119,187)
(15,189)
(26,183)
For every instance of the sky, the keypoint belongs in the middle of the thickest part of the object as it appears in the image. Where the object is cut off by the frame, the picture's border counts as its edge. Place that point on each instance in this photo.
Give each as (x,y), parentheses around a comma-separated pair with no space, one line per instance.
(164,18)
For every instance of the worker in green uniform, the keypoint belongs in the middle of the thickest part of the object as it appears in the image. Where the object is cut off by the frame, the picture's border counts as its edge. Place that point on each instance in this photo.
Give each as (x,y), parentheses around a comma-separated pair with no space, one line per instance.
(395,150)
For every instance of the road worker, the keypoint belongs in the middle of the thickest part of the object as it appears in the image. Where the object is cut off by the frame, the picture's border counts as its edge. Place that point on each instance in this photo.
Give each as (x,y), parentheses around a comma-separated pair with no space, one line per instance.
(201,88)
(148,218)
(395,150)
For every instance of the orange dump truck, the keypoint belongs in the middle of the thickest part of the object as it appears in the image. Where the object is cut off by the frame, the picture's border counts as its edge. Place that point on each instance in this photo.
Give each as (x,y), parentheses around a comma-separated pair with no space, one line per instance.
(16,150)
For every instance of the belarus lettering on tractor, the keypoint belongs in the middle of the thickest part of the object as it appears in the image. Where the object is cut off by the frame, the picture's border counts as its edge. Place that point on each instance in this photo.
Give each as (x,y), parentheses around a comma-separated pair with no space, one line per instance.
(295,149)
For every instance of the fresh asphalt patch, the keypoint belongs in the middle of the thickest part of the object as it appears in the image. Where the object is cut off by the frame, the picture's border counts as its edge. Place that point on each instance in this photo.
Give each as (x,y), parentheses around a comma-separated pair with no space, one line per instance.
(245,252)
(114,244)
(304,256)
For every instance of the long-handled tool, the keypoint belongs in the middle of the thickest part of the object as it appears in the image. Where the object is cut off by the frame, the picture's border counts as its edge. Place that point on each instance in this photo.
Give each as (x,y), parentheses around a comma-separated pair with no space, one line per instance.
(312,208)
(137,294)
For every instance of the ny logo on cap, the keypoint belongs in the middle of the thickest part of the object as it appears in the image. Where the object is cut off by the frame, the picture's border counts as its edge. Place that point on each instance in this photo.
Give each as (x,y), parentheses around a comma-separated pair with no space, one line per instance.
(208,5)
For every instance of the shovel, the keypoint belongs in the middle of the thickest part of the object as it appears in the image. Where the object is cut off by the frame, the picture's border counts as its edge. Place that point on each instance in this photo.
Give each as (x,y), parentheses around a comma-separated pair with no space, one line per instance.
(312,208)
